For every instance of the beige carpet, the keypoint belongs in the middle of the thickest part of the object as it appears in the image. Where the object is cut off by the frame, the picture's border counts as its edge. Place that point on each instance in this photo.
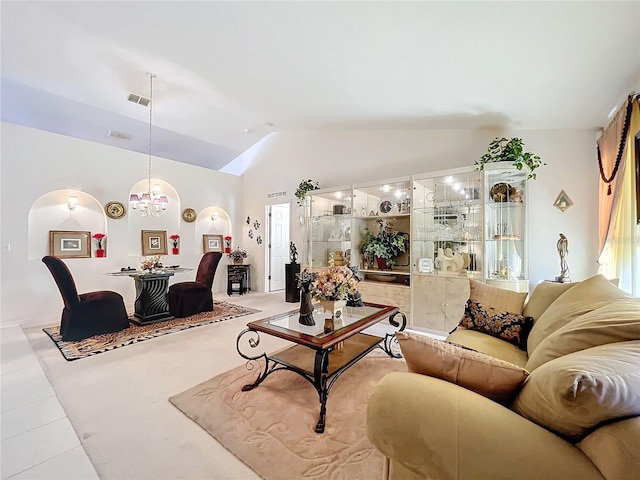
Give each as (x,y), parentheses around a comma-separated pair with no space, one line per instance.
(271,428)
(139,333)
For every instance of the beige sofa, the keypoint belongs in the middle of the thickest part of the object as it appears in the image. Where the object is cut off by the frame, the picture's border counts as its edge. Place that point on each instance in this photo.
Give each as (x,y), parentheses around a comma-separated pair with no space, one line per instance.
(577,415)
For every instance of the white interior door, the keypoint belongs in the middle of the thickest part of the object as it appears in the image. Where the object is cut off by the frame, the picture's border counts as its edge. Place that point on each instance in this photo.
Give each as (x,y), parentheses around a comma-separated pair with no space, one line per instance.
(278,245)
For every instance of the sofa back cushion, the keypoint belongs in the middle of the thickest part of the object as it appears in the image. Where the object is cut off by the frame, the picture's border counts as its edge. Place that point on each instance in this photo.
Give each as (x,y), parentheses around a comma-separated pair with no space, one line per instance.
(497,298)
(584,297)
(543,295)
(508,326)
(615,322)
(575,393)
(481,373)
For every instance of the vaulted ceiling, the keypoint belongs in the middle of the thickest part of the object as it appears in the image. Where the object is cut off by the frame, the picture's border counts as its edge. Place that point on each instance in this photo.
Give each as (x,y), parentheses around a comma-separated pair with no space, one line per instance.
(230,73)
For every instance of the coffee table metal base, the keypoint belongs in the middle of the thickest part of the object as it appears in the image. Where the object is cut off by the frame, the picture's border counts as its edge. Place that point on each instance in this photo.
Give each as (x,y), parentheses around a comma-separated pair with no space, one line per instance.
(325,367)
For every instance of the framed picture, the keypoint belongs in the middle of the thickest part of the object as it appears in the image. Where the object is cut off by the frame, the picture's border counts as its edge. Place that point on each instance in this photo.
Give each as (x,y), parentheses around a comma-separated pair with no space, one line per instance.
(212,243)
(154,242)
(69,244)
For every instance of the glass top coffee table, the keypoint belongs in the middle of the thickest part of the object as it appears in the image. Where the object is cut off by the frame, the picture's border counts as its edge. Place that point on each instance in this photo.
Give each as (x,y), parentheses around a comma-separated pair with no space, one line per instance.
(318,356)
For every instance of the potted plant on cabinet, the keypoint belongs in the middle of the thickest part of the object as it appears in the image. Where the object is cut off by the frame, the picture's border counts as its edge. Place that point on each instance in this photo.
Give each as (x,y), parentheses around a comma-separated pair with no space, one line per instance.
(385,246)
(510,150)
(304,187)
(238,256)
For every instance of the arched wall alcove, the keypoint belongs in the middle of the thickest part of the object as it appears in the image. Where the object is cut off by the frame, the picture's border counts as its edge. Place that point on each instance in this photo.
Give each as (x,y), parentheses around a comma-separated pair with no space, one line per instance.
(206,225)
(51,212)
(168,221)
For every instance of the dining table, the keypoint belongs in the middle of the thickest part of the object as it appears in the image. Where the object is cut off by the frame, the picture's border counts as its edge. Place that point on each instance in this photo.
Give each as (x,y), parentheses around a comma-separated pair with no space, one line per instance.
(151,304)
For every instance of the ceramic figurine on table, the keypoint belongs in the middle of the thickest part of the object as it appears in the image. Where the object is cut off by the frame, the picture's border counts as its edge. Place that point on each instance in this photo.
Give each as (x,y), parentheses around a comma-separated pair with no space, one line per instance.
(305,279)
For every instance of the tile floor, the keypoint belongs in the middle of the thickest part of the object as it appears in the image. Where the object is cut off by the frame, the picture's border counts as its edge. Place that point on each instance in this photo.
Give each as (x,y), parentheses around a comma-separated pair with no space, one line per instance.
(38,441)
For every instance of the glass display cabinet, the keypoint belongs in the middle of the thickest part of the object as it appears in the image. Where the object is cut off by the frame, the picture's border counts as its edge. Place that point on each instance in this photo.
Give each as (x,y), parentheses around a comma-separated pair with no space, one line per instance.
(505,250)
(378,206)
(447,223)
(328,227)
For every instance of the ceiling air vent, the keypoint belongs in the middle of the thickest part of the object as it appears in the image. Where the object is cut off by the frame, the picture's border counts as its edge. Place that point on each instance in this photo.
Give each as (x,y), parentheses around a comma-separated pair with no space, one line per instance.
(118,135)
(144,101)
(277,194)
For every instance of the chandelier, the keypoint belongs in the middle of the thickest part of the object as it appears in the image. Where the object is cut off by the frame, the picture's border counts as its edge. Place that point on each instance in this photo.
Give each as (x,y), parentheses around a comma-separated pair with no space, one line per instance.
(151,202)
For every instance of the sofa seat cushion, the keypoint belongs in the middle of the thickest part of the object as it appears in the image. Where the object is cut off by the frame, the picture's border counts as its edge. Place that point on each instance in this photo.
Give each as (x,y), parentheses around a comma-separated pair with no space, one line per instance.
(490,345)
(584,297)
(573,394)
(616,322)
(508,326)
(498,298)
(615,449)
(476,371)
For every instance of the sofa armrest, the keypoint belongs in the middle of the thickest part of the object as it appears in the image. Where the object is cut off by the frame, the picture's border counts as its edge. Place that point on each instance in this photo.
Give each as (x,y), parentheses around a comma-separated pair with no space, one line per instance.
(442,431)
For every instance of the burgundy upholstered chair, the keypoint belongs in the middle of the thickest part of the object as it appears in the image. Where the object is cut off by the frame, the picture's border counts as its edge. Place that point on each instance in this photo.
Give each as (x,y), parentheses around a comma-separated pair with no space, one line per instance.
(89,313)
(189,298)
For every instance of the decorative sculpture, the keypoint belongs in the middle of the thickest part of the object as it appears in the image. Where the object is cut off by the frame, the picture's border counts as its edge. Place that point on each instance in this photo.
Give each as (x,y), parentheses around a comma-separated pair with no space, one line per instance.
(563,250)
(449,261)
(293,252)
(305,279)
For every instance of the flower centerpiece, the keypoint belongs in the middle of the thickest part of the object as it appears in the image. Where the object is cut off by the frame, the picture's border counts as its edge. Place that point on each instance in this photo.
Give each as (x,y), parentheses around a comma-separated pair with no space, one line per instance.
(99,237)
(333,287)
(176,241)
(151,264)
(385,246)
(304,280)
(237,255)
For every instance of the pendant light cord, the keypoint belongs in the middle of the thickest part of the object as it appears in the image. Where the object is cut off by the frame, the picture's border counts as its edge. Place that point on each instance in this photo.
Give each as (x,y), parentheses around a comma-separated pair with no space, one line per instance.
(151,76)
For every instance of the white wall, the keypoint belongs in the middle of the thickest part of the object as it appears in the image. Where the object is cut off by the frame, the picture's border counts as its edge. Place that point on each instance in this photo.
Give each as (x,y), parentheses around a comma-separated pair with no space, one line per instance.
(35,162)
(282,160)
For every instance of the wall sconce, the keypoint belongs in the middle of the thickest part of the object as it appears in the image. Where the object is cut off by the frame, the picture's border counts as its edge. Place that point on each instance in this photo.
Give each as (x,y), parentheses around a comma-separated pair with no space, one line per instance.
(214,216)
(72,203)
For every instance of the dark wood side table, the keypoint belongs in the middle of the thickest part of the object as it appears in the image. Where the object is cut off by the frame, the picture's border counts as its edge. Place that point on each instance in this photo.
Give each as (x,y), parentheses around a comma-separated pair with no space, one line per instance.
(238,279)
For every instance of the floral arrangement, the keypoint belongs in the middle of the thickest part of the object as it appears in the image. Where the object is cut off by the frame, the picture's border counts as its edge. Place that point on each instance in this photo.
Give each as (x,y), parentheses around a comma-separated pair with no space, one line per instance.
(176,239)
(151,263)
(305,279)
(237,254)
(304,187)
(227,242)
(334,283)
(99,237)
(388,243)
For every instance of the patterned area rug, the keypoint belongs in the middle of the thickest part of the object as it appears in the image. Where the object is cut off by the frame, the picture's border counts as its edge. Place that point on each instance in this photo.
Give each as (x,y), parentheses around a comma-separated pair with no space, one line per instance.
(271,428)
(139,333)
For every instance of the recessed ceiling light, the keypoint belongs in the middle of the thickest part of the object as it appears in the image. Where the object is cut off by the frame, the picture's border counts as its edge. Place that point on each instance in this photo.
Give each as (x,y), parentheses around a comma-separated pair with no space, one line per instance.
(247,130)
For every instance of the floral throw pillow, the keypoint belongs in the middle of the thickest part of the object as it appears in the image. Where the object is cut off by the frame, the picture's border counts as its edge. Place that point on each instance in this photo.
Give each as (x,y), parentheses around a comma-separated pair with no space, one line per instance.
(511,327)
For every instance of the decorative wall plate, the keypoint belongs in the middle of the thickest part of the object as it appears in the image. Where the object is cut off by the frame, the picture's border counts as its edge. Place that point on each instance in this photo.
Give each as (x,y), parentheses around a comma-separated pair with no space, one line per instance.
(385,207)
(189,215)
(115,210)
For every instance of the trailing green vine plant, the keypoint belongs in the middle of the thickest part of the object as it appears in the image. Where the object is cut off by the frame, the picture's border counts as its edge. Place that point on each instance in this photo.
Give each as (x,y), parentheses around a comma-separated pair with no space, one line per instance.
(304,187)
(510,150)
